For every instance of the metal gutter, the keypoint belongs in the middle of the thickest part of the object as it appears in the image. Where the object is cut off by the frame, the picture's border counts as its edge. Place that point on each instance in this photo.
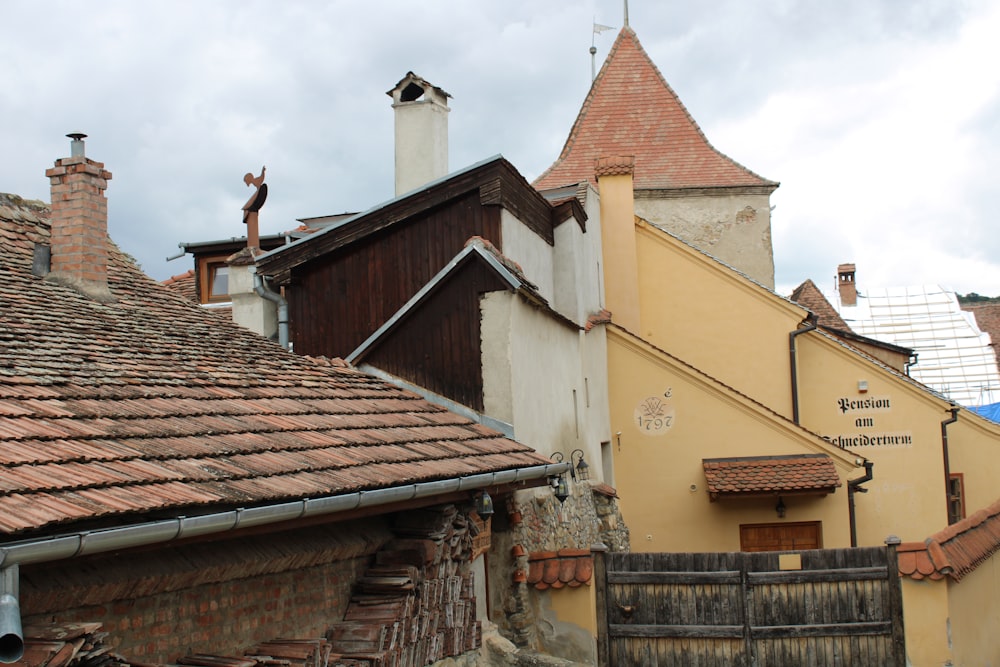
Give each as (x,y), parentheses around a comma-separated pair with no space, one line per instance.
(84,543)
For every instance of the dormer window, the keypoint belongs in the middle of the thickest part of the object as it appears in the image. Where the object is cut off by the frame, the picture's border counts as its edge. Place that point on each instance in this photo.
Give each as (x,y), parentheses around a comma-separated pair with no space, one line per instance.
(213,280)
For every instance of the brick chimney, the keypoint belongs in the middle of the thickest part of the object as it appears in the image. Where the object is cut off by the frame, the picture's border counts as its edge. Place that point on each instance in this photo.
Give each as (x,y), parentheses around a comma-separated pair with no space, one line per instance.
(845,285)
(80,222)
(421,121)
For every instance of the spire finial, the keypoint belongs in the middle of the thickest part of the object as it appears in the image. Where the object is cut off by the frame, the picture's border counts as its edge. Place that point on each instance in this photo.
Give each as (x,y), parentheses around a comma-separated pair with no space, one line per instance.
(626,13)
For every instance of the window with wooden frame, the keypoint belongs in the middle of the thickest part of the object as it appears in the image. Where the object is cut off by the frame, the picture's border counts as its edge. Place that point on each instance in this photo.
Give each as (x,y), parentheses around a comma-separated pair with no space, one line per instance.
(956,497)
(213,279)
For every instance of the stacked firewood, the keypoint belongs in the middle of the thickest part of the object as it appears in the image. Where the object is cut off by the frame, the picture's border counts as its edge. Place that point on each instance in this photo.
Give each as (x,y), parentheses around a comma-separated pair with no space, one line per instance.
(67,645)
(416,604)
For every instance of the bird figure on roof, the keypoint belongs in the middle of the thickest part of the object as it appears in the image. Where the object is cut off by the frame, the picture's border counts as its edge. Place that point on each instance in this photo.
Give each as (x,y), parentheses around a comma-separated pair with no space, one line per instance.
(253,206)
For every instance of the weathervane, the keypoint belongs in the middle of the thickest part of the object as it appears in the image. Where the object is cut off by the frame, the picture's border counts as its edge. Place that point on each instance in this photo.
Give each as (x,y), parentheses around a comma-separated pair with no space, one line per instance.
(598,29)
(253,205)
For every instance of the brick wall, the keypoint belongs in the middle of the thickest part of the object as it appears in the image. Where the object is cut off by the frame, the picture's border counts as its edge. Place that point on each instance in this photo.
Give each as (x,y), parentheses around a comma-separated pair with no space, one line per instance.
(219,598)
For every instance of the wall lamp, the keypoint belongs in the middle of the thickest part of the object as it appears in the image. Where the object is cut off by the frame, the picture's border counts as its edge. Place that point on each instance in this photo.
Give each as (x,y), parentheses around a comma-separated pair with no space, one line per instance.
(559,485)
(484,505)
(580,471)
(780,508)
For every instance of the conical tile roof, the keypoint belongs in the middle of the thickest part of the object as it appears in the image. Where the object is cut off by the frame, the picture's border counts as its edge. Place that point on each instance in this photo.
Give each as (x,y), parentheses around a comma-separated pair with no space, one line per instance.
(631,110)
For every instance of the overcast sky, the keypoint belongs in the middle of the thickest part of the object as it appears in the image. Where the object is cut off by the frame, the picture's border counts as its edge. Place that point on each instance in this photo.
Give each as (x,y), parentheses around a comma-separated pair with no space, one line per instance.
(880,118)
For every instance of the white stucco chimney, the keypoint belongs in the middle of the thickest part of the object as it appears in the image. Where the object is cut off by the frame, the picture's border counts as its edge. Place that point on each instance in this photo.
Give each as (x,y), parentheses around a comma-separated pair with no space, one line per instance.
(421,119)
(845,285)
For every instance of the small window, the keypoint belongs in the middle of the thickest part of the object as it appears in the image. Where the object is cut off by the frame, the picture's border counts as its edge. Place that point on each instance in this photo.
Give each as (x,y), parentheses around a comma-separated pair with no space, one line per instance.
(213,280)
(956,498)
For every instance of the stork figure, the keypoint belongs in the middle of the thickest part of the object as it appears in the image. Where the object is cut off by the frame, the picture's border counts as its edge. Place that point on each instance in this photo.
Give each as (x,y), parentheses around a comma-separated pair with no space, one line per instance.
(253,205)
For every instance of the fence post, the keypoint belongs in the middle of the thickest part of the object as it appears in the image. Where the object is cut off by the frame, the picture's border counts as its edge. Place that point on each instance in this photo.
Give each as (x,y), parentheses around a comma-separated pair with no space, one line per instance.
(600,554)
(896,602)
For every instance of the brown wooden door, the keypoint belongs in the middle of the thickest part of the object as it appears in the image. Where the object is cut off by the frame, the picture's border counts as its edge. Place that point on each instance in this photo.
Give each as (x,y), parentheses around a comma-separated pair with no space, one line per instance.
(786,536)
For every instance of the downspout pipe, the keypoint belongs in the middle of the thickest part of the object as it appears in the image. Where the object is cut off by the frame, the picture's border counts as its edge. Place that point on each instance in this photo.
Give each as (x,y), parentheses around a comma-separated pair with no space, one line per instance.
(263,291)
(808,324)
(11,638)
(854,486)
(947,461)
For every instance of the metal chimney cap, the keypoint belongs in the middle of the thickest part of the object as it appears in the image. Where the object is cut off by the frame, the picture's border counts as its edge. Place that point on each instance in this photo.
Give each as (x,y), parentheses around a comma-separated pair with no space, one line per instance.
(76,136)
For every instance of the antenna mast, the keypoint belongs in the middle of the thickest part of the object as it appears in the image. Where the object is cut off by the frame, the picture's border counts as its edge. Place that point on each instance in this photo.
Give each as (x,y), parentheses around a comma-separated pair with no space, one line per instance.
(626,13)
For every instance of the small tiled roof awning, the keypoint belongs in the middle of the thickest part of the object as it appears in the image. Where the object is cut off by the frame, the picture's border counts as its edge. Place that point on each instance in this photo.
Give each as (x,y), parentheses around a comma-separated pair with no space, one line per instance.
(770,475)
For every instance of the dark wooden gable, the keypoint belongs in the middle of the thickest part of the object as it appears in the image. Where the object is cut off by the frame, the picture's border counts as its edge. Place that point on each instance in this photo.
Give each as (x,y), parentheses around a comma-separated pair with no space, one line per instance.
(437,345)
(344,283)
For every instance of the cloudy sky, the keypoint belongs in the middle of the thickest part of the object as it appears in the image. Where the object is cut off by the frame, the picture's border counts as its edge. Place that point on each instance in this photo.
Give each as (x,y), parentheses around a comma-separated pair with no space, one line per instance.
(880,118)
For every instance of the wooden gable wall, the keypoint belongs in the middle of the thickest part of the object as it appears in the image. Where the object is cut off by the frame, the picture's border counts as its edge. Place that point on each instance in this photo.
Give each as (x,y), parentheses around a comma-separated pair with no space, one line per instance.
(438,346)
(339,299)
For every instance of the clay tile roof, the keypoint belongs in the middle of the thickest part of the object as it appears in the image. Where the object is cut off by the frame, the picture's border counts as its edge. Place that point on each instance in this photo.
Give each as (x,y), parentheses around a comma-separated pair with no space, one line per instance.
(770,475)
(988,318)
(809,296)
(559,569)
(955,551)
(146,405)
(183,284)
(631,110)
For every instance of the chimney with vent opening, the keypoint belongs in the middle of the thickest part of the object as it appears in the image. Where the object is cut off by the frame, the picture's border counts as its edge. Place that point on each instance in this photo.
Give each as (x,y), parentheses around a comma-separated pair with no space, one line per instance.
(421,121)
(79,234)
(845,285)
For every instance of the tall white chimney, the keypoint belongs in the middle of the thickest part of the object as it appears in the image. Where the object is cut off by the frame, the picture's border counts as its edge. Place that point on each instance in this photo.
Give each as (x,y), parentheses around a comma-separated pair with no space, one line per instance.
(421,112)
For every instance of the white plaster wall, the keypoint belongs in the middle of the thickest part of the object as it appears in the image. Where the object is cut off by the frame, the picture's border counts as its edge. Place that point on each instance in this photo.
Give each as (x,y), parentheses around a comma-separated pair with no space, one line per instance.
(734,228)
(577,279)
(556,405)
(498,399)
(530,251)
(249,309)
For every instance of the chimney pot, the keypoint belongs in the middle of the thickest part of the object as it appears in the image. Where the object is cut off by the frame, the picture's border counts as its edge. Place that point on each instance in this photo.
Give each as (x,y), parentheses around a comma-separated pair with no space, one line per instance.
(76,147)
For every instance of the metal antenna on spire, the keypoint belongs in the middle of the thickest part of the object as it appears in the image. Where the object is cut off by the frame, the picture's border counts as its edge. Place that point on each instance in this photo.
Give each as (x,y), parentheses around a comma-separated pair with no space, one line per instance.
(598,29)
(626,13)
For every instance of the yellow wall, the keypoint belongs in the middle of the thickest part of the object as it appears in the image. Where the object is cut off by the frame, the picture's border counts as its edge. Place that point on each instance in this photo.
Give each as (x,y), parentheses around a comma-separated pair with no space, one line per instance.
(714,319)
(974,451)
(925,622)
(975,616)
(659,470)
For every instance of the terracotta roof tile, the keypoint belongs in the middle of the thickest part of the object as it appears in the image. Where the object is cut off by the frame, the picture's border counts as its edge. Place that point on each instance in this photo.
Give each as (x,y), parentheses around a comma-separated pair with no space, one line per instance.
(567,567)
(988,318)
(183,284)
(796,473)
(144,404)
(955,551)
(632,111)
(809,296)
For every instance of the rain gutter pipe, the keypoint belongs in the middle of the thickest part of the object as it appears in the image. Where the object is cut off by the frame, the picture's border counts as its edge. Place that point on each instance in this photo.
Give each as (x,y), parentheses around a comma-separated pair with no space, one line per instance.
(807,325)
(947,461)
(262,290)
(854,486)
(84,543)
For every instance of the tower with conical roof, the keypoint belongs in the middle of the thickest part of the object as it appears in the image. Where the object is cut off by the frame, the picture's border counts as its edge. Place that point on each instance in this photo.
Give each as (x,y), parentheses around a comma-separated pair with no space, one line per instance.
(682,183)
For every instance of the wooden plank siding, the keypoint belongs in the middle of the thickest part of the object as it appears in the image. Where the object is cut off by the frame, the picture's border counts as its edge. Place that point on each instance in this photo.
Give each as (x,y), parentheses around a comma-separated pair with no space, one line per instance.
(437,346)
(843,607)
(336,301)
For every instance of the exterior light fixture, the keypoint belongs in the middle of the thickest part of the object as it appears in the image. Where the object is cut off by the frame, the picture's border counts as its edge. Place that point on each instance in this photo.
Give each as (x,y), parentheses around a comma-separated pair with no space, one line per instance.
(581,471)
(780,508)
(484,505)
(561,488)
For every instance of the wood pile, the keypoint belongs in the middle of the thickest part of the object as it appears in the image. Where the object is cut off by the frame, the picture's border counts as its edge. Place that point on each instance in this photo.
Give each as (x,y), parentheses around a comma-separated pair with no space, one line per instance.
(67,645)
(416,604)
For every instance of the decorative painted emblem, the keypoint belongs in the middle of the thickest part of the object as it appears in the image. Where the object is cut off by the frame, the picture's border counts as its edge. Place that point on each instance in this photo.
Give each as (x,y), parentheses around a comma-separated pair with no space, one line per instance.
(655,415)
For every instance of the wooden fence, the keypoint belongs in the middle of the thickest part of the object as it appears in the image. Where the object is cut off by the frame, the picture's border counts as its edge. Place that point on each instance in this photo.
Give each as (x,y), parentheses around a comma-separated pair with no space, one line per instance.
(818,607)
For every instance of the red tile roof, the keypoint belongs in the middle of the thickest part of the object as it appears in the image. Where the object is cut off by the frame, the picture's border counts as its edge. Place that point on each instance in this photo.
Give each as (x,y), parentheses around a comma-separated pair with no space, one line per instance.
(145,405)
(183,284)
(632,111)
(988,318)
(955,551)
(809,296)
(796,473)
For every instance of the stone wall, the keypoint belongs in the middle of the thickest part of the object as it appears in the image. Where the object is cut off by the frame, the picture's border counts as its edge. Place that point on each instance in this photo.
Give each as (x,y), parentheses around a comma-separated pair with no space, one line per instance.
(535,522)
